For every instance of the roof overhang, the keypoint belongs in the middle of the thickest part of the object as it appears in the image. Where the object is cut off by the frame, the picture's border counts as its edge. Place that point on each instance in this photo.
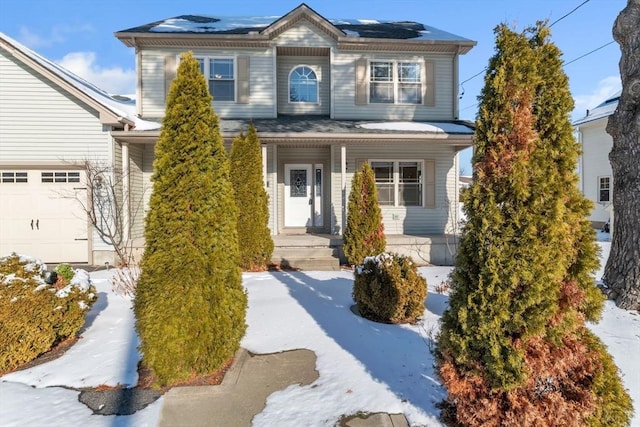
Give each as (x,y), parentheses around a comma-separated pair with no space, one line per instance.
(460,141)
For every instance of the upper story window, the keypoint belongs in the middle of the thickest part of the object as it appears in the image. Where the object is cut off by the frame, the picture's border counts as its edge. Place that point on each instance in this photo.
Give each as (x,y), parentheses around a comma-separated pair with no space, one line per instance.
(393,82)
(399,183)
(220,74)
(303,85)
(604,189)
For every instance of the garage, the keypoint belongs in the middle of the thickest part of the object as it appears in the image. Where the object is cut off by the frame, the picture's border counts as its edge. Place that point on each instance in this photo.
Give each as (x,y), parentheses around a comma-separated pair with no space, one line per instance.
(40,214)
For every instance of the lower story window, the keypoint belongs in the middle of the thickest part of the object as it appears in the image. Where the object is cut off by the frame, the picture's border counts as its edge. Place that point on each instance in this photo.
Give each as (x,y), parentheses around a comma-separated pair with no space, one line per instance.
(399,183)
(604,189)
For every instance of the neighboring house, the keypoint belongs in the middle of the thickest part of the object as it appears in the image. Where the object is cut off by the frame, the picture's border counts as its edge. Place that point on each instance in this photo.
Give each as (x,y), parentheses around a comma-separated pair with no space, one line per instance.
(51,122)
(325,96)
(596,179)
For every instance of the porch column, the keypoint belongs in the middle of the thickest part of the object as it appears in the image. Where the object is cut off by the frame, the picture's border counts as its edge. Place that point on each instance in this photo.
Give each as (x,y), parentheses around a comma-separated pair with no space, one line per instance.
(264,166)
(126,195)
(343,185)
(274,193)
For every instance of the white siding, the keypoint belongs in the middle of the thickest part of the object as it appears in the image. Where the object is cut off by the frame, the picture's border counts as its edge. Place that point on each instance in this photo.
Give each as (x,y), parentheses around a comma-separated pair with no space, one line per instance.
(261,86)
(405,220)
(320,65)
(304,34)
(39,121)
(344,90)
(597,144)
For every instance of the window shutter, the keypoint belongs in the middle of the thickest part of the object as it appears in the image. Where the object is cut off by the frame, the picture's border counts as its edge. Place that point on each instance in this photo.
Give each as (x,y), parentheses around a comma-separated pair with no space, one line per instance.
(430,184)
(429,91)
(361,81)
(169,73)
(243,80)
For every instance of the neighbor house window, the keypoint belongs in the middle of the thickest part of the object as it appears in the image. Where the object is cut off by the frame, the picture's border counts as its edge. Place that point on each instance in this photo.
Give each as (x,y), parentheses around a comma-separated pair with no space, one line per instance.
(220,77)
(303,85)
(60,177)
(399,183)
(13,177)
(392,82)
(604,189)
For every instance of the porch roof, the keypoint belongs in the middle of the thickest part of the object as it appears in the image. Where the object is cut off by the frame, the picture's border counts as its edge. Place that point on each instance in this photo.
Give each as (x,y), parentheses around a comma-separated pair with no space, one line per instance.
(324,130)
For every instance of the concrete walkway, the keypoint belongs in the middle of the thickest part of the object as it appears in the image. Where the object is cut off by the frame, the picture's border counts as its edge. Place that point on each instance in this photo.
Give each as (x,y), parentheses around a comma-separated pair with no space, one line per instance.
(244,391)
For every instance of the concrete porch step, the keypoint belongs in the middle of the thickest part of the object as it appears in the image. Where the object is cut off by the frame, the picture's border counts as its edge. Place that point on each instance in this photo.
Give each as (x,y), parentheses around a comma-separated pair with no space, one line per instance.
(307,258)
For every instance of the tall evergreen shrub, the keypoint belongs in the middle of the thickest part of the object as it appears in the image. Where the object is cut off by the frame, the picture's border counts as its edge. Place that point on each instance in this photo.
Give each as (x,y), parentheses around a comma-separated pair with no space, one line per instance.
(190,305)
(254,236)
(514,349)
(364,232)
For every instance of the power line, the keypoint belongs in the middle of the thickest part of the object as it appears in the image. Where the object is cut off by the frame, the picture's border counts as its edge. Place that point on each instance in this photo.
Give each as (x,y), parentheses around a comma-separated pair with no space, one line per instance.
(564,65)
(589,53)
(562,17)
(550,25)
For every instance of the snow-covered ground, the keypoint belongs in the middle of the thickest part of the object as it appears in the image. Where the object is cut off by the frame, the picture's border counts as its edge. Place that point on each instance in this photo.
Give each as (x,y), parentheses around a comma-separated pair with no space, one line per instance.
(363,366)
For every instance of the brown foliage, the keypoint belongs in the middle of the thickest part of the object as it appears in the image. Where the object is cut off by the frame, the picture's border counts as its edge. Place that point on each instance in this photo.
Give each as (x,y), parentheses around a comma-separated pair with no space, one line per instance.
(557,392)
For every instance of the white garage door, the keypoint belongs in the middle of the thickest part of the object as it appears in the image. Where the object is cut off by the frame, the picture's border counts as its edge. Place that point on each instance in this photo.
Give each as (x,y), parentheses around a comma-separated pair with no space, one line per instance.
(40,215)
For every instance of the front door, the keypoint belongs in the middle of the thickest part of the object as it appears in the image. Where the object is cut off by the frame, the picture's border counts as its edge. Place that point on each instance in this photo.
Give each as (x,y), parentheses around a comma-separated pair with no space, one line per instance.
(298,197)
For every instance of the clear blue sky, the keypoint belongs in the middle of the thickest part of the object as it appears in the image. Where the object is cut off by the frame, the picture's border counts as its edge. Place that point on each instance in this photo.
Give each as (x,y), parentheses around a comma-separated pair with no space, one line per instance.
(79,33)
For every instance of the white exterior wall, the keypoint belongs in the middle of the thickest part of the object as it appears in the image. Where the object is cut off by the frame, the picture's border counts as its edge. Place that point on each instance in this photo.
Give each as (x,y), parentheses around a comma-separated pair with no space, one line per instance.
(596,145)
(404,219)
(40,122)
(344,83)
(262,83)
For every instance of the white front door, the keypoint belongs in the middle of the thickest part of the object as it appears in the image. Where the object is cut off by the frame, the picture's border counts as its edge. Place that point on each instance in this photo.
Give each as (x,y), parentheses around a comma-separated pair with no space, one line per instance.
(298,197)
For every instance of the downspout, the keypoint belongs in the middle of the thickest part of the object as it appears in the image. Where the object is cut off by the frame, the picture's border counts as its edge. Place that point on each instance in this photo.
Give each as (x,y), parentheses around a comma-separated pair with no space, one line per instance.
(456,85)
(126,196)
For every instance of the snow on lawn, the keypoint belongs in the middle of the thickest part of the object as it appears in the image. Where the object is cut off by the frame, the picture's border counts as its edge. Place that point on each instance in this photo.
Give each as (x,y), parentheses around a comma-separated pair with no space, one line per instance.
(363,366)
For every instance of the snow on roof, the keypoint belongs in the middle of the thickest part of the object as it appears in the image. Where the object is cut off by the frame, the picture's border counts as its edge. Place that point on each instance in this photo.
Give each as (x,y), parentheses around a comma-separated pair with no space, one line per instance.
(369,28)
(605,109)
(432,127)
(121,108)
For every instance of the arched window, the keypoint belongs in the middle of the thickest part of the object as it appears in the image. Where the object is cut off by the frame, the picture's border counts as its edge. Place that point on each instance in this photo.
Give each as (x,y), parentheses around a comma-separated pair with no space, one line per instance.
(303,85)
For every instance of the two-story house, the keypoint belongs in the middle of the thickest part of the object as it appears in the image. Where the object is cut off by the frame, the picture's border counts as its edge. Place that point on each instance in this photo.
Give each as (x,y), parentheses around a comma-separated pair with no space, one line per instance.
(325,95)
(596,178)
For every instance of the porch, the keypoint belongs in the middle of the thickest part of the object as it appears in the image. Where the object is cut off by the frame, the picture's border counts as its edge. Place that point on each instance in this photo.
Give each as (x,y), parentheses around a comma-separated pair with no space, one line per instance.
(324,251)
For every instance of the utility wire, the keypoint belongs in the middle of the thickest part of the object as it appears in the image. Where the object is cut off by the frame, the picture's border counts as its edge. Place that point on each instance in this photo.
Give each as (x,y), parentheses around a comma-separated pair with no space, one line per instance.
(564,65)
(562,17)
(550,25)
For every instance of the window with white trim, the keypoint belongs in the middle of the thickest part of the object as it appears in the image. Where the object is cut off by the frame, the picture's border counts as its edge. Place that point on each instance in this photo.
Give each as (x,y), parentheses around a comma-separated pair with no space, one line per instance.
(399,182)
(604,189)
(395,82)
(59,177)
(13,177)
(303,85)
(220,75)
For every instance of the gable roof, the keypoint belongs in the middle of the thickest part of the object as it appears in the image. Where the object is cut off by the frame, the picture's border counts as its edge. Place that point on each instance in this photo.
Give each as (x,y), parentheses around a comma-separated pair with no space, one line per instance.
(605,109)
(112,111)
(261,29)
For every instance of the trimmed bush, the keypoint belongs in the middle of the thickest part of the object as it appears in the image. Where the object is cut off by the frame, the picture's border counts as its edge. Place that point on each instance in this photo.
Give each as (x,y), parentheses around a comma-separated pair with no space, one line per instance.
(35,316)
(65,271)
(254,236)
(364,232)
(190,304)
(388,288)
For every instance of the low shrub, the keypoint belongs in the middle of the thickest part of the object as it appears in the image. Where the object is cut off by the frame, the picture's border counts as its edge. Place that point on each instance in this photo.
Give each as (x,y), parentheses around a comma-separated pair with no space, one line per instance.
(388,288)
(34,315)
(66,272)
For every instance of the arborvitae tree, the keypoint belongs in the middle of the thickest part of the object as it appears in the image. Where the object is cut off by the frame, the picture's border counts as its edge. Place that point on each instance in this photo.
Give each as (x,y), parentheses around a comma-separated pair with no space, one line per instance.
(254,236)
(622,272)
(514,349)
(364,233)
(190,305)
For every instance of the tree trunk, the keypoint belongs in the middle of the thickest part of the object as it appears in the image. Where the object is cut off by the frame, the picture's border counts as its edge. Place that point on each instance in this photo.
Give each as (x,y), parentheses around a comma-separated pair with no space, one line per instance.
(622,272)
